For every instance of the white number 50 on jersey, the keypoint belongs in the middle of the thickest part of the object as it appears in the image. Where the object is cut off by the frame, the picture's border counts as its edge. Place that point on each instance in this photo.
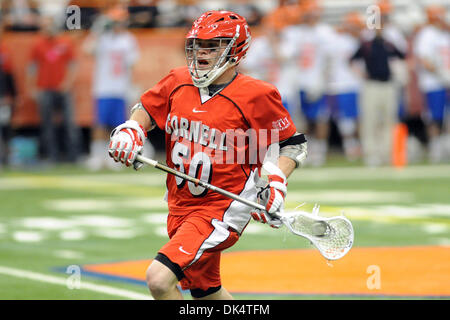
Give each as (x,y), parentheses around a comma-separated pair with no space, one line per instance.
(200,160)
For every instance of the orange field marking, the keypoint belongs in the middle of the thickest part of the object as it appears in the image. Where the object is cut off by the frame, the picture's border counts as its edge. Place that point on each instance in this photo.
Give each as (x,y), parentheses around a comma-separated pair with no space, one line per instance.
(397,271)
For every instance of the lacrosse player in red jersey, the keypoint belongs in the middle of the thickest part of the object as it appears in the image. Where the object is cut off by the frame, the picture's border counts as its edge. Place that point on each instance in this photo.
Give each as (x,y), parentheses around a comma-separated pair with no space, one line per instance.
(199,107)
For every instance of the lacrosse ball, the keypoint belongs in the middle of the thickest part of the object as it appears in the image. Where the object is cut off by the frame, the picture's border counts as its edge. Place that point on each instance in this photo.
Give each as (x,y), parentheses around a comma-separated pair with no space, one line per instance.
(319,229)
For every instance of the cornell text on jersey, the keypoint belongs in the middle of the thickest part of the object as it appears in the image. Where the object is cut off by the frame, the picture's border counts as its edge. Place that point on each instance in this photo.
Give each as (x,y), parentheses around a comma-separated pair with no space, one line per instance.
(230,146)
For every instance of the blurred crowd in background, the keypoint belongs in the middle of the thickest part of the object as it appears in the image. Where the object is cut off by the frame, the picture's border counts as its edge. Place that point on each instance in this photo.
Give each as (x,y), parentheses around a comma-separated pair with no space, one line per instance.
(369,79)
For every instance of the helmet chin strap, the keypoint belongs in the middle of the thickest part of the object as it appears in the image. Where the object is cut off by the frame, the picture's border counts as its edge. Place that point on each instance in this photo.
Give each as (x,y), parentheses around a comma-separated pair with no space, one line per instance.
(205,78)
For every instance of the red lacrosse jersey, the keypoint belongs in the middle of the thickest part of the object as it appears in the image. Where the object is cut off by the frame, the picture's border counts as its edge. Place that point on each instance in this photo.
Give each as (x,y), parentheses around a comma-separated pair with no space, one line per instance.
(220,139)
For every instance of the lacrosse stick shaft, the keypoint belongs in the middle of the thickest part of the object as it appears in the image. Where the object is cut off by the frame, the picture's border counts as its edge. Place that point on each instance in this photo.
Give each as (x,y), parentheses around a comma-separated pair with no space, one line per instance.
(284,219)
(199,182)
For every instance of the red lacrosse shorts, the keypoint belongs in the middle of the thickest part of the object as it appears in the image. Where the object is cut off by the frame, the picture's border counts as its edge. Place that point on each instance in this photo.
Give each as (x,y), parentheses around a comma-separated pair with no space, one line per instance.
(195,245)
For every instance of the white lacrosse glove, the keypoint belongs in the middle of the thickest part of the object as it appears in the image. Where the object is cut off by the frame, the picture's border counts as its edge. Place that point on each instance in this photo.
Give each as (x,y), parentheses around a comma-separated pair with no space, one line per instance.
(126,142)
(271,195)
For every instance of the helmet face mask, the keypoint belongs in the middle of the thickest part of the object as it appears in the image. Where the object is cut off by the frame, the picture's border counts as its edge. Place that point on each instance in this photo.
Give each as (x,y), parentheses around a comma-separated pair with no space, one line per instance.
(208,59)
(217,41)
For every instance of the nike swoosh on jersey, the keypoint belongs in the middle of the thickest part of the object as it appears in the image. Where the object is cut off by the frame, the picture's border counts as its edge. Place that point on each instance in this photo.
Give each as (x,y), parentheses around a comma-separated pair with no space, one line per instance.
(197,111)
(182,250)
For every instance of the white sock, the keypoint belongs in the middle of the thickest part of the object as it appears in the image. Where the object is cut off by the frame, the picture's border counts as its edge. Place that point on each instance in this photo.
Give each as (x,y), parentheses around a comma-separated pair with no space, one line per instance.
(435,148)
(99,148)
(98,155)
(351,148)
(317,151)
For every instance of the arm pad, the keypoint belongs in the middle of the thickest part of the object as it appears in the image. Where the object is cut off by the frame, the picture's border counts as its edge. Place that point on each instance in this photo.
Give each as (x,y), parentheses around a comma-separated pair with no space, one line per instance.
(295,148)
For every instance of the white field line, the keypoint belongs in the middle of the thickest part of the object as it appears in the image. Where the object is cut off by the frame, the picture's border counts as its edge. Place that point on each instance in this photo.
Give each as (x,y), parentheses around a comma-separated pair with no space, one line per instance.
(349,196)
(24,274)
(157,179)
(97,204)
(364,173)
(105,205)
(149,178)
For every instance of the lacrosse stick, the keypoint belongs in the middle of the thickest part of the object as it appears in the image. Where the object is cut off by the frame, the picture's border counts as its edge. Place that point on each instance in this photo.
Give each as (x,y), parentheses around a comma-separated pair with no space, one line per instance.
(332,236)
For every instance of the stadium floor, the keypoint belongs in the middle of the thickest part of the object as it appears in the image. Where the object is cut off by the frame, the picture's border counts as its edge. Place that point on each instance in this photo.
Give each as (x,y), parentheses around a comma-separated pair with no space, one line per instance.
(108,225)
(305,272)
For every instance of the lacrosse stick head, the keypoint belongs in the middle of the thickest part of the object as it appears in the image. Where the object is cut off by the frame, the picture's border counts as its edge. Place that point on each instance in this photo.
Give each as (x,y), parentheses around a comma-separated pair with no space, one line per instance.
(332,236)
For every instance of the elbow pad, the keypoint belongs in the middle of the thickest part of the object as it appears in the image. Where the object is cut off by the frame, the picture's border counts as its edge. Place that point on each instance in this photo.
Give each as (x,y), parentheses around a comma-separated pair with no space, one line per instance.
(295,148)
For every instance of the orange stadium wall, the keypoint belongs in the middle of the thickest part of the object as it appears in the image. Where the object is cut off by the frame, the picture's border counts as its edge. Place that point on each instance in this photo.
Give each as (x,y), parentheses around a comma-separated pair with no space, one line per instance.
(160,50)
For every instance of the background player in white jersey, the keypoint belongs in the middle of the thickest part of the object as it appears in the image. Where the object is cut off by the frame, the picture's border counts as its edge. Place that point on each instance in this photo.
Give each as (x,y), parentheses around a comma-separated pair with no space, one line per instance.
(264,61)
(306,44)
(344,82)
(115,51)
(432,51)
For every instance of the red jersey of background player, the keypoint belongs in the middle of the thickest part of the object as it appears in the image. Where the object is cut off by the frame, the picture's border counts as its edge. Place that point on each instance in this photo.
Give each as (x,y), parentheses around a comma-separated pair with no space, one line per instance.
(196,127)
(53,56)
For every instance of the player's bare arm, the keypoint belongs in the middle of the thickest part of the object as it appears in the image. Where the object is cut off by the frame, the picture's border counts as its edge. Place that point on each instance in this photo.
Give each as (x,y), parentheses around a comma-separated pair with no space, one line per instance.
(141,116)
(287,165)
